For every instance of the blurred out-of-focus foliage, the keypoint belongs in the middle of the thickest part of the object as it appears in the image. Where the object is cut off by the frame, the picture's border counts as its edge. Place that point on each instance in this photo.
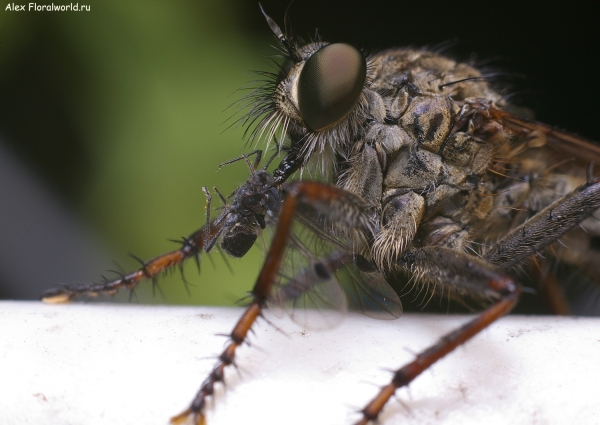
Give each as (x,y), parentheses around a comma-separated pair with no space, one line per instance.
(122,112)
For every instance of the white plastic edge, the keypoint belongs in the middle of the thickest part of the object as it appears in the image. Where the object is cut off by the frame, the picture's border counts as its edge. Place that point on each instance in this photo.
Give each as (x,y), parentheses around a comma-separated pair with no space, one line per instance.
(126,364)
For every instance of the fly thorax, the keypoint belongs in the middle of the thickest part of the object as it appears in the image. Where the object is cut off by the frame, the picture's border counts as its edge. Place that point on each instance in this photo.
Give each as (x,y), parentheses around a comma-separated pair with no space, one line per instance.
(415,169)
(469,152)
(391,138)
(429,120)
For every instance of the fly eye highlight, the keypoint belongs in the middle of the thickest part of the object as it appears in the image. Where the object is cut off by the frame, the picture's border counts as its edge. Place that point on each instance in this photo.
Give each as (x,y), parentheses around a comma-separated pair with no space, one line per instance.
(330,85)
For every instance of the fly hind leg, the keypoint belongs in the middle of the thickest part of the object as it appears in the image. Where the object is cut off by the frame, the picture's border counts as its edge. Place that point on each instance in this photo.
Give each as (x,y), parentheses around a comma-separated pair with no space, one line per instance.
(460,273)
(546,226)
(484,278)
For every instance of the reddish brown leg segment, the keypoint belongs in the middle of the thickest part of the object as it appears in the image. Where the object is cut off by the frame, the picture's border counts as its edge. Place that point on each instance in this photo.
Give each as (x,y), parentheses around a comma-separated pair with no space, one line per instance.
(473,275)
(236,228)
(405,375)
(191,247)
(237,336)
(304,191)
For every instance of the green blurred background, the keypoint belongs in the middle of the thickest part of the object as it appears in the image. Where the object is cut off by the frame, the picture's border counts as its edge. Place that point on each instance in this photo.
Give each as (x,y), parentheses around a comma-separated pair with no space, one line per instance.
(116,116)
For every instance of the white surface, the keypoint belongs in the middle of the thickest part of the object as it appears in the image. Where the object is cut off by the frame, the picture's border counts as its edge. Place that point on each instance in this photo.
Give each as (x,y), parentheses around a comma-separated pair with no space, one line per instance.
(115,364)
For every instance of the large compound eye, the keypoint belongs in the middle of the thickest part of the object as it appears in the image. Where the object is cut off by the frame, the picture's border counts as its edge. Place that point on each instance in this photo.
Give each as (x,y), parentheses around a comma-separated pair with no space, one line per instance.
(330,85)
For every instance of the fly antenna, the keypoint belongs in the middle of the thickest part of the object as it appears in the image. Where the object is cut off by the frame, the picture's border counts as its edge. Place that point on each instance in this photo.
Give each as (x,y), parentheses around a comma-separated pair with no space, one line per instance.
(287,23)
(287,42)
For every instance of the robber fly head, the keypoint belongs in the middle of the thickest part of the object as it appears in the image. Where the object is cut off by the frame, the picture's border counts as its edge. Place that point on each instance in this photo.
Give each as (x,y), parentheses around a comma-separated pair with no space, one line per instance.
(318,98)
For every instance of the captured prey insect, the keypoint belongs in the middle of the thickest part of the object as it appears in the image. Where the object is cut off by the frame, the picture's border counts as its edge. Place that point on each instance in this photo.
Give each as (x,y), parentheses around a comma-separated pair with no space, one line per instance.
(426,171)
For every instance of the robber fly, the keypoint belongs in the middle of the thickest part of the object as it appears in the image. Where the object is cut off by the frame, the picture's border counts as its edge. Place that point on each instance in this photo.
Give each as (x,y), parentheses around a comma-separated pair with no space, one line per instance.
(427,171)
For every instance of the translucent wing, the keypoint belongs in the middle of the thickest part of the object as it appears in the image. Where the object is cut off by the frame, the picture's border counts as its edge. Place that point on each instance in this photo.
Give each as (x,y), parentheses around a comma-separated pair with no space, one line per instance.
(558,141)
(308,288)
(369,293)
(320,281)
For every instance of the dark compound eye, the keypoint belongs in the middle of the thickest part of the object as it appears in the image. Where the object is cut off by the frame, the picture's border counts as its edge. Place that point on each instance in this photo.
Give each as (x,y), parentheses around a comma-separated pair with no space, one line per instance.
(330,85)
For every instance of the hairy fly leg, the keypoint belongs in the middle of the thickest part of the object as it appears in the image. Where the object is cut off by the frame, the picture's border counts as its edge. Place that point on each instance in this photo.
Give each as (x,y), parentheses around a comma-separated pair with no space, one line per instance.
(546,226)
(463,273)
(484,278)
(341,207)
(191,247)
(236,228)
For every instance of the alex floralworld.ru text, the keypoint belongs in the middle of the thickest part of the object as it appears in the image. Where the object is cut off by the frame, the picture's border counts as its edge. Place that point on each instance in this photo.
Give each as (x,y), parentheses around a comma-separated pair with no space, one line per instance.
(34,7)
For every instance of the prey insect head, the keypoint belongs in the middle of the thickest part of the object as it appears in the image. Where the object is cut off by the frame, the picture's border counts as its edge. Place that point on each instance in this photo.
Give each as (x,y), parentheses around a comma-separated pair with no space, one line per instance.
(254,202)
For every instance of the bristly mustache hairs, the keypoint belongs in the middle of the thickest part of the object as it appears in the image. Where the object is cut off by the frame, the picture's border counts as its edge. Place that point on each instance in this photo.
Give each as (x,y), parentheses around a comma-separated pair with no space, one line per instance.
(260,101)
(308,123)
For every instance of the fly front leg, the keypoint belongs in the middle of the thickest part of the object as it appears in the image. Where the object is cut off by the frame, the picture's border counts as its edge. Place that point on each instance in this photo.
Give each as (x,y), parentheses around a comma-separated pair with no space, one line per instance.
(343,208)
(399,213)
(191,247)
(401,218)
(237,227)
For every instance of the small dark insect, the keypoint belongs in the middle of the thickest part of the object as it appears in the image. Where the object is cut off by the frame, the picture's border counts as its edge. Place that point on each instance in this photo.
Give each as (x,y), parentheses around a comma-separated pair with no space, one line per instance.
(426,170)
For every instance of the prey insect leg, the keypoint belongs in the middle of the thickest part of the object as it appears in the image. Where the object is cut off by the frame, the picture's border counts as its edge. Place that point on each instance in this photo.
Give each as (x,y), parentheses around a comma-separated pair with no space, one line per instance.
(318,195)
(484,277)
